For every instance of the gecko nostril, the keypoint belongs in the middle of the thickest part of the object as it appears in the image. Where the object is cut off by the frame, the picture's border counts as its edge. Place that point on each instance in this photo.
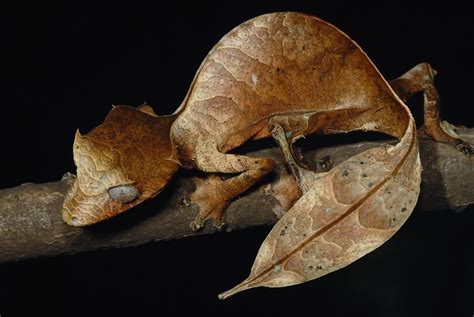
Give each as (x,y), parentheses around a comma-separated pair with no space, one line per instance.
(74,220)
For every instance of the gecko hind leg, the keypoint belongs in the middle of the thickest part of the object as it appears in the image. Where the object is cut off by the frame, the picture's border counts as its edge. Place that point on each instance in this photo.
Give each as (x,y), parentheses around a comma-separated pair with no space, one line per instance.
(421,79)
(213,194)
(286,129)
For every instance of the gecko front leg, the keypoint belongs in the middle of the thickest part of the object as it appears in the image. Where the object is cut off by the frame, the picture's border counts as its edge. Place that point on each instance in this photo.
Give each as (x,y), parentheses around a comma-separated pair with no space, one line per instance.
(421,79)
(213,194)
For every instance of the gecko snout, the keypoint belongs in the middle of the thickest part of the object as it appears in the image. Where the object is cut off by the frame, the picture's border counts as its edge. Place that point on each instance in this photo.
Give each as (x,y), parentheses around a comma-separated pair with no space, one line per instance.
(82,209)
(74,221)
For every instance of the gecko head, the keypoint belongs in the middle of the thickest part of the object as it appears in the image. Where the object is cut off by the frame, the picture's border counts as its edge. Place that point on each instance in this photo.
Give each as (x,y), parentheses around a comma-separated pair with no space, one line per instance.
(126,160)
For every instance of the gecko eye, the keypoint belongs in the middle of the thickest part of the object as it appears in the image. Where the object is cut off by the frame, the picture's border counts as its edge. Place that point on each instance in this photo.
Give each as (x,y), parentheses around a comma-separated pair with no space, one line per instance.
(123,193)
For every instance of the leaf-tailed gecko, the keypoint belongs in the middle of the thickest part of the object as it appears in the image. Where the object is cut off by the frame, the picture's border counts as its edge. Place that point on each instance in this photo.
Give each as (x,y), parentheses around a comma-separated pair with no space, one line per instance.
(289,70)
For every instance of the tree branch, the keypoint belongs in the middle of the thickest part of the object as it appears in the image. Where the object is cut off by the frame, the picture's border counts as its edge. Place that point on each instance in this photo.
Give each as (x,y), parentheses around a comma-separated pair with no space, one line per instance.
(31,224)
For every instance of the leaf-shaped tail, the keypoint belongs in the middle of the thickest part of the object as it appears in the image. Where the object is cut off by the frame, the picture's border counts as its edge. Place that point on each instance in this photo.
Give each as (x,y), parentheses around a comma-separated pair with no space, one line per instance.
(347,213)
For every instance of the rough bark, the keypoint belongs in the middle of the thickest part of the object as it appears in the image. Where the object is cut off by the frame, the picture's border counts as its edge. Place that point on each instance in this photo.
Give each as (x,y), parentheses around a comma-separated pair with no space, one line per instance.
(31,223)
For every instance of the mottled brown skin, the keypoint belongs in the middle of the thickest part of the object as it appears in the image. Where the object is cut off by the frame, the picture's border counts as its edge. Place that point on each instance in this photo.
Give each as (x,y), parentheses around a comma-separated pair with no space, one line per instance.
(277,64)
(289,69)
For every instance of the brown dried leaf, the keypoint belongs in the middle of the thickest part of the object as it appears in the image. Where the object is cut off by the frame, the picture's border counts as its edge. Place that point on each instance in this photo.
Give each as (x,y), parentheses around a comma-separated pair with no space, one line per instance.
(347,213)
(359,204)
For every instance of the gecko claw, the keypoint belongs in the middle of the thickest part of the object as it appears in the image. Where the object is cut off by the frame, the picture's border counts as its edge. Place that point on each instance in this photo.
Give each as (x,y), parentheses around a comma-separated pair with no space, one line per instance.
(199,223)
(196,225)
(465,148)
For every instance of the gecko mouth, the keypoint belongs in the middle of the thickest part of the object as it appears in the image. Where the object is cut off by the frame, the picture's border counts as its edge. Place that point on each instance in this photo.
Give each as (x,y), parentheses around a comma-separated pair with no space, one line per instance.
(80,209)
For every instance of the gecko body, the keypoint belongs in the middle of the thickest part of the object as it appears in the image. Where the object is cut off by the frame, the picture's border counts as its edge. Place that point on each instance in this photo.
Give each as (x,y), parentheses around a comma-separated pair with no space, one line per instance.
(287,69)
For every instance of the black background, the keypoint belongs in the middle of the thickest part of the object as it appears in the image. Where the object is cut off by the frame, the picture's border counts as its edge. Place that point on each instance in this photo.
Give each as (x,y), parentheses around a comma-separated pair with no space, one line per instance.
(63,66)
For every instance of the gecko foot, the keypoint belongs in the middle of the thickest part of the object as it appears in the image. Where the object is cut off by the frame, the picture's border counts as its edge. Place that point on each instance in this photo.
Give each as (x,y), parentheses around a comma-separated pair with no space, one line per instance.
(211,199)
(285,190)
(421,79)
(466,148)
(447,133)
(459,143)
